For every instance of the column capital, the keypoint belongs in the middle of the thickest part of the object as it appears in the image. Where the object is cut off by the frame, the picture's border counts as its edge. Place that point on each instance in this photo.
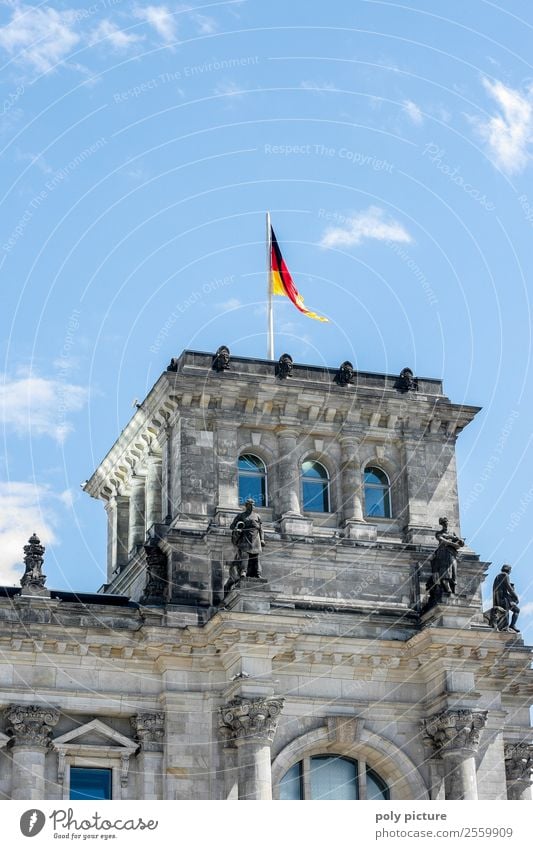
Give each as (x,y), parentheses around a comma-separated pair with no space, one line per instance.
(519,761)
(254,720)
(289,432)
(30,726)
(149,730)
(455,732)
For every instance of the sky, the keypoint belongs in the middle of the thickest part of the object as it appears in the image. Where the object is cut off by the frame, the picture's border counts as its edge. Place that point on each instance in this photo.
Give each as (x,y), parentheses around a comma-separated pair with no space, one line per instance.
(141,146)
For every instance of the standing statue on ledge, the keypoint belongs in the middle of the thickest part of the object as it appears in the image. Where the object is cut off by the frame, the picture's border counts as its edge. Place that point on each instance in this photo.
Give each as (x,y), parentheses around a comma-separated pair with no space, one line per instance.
(443,579)
(504,600)
(247,537)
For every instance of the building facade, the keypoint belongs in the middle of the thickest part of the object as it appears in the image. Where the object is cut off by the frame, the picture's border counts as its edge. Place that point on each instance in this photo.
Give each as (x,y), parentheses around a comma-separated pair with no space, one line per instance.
(332,662)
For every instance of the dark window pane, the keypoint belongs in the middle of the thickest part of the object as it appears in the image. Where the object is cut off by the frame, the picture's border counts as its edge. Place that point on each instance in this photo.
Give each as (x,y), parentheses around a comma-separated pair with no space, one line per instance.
(310,469)
(250,463)
(375,786)
(290,786)
(376,476)
(333,778)
(87,783)
(252,479)
(252,487)
(315,496)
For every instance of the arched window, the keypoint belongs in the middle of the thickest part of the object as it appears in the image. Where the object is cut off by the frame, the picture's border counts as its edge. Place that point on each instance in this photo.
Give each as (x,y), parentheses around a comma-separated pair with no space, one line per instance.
(315,487)
(377,493)
(330,777)
(252,480)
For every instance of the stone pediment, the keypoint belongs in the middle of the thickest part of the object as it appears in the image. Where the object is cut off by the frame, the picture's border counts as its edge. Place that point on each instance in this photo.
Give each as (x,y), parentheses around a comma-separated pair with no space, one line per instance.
(95,734)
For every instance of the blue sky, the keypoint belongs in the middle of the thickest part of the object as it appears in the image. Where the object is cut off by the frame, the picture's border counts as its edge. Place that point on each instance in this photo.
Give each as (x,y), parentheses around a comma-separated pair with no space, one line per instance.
(141,145)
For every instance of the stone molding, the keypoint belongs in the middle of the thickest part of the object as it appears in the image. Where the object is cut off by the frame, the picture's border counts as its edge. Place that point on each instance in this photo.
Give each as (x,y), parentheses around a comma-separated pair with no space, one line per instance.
(149,730)
(455,732)
(250,719)
(30,726)
(519,761)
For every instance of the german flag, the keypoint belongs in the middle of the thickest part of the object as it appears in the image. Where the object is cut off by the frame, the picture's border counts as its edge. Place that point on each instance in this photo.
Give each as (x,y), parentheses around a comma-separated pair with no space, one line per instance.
(281,281)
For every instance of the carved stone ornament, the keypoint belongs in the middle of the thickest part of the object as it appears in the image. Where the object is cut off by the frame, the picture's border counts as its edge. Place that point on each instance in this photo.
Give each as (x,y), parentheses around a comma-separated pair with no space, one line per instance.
(248,719)
(285,366)
(221,359)
(173,364)
(149,730)
(156,587)
(31,726)
(406,381)
(455,731)
(33,560)
(345,374)
(519,761)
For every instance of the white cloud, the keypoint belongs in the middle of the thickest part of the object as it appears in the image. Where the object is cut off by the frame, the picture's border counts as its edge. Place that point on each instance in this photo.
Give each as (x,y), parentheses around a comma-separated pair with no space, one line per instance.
(109,33)
(24,508)
(231,304)
(40,406)
(160,19)
(509,133)
(527,609)
(372,223)
(205,24)
(39,35)
(413,112)
(229,89)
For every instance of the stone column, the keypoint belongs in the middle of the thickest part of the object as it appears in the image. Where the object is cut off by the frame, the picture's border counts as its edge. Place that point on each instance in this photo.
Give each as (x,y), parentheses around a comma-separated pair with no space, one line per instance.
(352,491)
(149,732)
(518,769)
(30,727)
(227,475)
(137,512)
(154,490)
(288,474)
(454,735)
(251,724)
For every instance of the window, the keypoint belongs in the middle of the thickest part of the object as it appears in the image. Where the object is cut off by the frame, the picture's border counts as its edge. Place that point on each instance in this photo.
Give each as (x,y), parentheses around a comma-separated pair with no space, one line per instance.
(252,479)
(315,487)
(89,783)
(377,493)
(330,777)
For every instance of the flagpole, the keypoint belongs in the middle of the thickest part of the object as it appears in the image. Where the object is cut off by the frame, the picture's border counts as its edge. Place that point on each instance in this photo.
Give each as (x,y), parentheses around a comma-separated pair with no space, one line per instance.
(270,307)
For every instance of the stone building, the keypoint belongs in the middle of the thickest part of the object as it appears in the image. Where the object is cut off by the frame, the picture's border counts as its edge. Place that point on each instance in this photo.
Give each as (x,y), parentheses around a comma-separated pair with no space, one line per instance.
(334,663)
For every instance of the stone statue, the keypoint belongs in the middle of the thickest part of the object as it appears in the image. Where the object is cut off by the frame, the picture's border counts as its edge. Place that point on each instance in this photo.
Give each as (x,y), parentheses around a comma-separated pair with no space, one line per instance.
(504,600)
(247,537)
(443,579)
(284,366)
(407,382)
(173,364)
(345,374)
(221,359)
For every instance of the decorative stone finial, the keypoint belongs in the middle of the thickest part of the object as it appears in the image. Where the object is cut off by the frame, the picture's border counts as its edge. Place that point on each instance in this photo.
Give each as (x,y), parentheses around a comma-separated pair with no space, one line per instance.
(406,381)
(345,374)
(33,577)
(221,359)
(249,719)
(31,726)
(455,731)
(285,366)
